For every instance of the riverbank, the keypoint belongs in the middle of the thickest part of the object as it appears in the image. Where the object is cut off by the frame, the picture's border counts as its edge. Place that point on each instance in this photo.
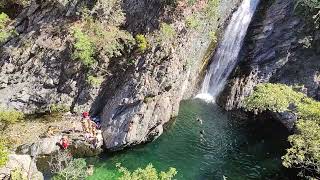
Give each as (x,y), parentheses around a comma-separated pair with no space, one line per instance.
(35,140)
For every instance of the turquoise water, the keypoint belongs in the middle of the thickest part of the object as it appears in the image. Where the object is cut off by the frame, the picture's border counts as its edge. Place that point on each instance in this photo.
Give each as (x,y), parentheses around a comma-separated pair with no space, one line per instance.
(233,148)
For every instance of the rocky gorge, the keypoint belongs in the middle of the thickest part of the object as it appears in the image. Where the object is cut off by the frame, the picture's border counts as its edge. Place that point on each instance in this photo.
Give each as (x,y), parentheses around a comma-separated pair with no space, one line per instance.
(131,63)
(37,71)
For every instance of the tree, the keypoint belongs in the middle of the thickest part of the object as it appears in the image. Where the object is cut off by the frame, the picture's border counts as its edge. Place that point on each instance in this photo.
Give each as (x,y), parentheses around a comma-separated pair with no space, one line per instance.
(148,173)
(64,167)
(304,152)
(305,149)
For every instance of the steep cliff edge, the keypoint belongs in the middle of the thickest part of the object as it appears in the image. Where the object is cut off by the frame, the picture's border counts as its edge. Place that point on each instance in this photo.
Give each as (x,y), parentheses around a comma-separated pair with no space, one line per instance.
(140,91)
(276,50)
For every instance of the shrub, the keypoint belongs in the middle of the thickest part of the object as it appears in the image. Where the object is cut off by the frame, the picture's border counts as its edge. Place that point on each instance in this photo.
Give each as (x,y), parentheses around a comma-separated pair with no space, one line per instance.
(273,97)
(167,33)
(92,36)
(10,116)
(192,22)
(58,108)
(309,109)
(84,47)
(213,36)
(142,43)
(4,152)
(304,152)
(63,166)
(148,173)
(4,32)
(17,174)
(94,81)
(305,149)
(75,169)
(211,10)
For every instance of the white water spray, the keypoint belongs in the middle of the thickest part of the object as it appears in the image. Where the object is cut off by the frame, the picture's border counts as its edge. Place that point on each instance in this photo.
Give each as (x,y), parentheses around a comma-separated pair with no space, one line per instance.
(227,53)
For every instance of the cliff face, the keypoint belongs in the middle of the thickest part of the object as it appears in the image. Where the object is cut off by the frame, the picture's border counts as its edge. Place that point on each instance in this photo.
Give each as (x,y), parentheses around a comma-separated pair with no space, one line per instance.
(276,50)
(36,66)
(136,108)
(135,99)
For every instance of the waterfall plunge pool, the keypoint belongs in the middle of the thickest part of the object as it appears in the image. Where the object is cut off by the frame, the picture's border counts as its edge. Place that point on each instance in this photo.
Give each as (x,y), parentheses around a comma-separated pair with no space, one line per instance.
(232,148)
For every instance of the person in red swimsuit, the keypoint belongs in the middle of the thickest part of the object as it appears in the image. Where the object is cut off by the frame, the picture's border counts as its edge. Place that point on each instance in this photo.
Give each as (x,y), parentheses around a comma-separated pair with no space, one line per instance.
(64,142)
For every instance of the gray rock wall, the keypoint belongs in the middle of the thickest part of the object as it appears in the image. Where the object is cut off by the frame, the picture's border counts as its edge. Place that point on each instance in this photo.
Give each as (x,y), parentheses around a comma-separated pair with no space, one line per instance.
(36,67)
(134,101)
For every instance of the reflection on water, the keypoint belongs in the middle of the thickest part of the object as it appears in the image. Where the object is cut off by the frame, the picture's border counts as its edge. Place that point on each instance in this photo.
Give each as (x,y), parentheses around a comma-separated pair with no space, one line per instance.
(230,148)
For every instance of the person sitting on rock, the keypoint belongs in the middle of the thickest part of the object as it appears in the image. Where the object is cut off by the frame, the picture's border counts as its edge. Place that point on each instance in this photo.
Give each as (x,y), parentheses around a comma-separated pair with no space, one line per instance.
(85,122)
(64,142)
(51,131)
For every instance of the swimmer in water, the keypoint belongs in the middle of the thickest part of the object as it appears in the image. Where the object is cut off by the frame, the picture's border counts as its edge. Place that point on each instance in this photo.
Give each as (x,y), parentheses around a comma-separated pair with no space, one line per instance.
(202,135)
(199,120)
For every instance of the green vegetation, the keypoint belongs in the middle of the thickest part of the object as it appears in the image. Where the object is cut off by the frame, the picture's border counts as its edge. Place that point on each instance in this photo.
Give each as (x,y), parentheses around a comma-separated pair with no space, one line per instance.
(84,48)
(58,108)
(304,152)
(142,43)
(309,109)
(4,32)
(192,21)
(148,173)
(65,167)
(4,152)
(10,116)
(167,33)
(93,38)
(213,36)
(273,97)
(94,81)
(211,10)
(75,169)
(17,174)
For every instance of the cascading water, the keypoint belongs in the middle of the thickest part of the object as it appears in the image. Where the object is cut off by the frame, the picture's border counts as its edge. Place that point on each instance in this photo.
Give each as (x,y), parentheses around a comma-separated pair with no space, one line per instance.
(228,50)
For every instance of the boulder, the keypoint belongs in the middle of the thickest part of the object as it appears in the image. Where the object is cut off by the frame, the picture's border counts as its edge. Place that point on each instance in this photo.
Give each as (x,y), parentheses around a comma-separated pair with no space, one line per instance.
(46,146)
(24,163)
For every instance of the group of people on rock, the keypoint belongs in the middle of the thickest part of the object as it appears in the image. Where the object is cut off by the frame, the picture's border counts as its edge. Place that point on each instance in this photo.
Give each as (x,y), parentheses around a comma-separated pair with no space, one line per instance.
(91,128)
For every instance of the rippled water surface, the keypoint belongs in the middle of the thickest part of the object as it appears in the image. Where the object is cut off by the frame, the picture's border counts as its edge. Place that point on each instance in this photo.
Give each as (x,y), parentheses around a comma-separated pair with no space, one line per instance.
(230,147)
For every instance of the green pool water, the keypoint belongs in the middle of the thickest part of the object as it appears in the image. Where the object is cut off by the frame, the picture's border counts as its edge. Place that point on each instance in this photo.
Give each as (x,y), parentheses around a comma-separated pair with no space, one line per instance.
(233,148)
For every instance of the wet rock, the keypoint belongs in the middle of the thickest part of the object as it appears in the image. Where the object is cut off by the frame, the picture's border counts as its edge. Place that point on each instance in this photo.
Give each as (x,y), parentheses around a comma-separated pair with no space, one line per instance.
(286,118)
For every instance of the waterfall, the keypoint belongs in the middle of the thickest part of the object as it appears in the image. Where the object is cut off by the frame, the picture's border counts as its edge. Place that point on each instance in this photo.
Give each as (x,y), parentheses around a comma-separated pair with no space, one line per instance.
(228,50)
